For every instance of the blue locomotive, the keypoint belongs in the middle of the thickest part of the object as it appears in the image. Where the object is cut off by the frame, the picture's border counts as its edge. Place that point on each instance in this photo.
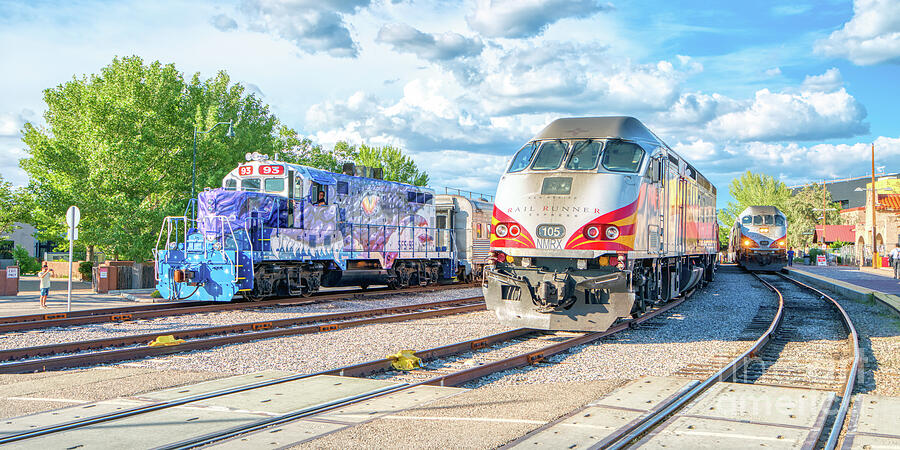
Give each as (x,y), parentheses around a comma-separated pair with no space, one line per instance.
(275,228)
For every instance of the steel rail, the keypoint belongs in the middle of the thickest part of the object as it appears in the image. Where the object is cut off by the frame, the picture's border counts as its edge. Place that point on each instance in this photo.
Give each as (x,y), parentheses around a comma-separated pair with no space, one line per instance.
(122,314)
(454,379)
(850,382)
(241,333)
(361,369)
(625,437)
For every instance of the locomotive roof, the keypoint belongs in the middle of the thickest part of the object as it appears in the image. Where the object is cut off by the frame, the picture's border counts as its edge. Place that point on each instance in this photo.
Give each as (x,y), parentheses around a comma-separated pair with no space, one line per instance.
(761,209)
(623,127)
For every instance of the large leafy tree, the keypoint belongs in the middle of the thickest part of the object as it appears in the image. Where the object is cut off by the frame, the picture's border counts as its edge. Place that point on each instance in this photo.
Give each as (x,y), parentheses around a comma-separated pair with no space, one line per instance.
(119,143)
(804,211)
(759,189)
(8,207)
(397,166)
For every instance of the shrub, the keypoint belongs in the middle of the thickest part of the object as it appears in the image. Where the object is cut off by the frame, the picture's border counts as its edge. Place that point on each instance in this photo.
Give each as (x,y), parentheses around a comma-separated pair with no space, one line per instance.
(26,263)
(86,268)
(156,294)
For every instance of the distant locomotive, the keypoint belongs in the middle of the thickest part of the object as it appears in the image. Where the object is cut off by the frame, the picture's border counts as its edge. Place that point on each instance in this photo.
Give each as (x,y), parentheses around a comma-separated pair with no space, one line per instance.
(277,229)
(597,219)
(758,239)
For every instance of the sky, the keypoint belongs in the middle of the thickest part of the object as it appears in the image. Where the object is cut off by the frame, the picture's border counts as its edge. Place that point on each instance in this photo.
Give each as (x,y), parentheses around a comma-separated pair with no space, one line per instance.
(796,90)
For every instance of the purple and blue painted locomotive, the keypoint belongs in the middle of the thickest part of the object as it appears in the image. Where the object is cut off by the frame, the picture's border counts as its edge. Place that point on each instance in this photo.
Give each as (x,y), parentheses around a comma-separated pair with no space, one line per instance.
(275,228)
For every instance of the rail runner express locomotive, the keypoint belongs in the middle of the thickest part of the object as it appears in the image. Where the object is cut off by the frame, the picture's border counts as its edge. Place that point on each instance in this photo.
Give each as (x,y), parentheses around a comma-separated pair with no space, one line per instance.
(758,239)
(596,219)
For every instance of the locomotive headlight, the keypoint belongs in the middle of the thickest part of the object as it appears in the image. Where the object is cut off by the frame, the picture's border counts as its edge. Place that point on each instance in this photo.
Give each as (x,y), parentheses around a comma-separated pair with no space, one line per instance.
(611,232)
(514,230)
(501,230)
(746,242)
(592,232)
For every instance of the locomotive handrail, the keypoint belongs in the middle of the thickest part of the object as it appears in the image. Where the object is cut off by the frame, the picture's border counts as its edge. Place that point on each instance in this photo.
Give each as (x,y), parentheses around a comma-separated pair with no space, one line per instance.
(167,225)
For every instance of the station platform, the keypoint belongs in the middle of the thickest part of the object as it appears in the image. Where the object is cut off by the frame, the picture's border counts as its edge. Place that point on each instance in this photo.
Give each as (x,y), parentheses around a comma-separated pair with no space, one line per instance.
(859,284)
(83,297)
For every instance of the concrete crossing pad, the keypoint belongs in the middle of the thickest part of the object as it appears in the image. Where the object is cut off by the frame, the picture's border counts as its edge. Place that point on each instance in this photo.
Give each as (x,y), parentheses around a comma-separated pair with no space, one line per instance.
(732,415)
(874,423)
(199,418)
(598,421)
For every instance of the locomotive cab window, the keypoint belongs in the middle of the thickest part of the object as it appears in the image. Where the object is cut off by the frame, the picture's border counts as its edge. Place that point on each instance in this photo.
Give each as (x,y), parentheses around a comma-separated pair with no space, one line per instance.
(318,195)
(779,221)
(549,156)
(522,158)
(584,155)
(747,220)
(343,188)
(769,220)
(622,156)
(230,184)
(274,184)
(757,220)
(250,184)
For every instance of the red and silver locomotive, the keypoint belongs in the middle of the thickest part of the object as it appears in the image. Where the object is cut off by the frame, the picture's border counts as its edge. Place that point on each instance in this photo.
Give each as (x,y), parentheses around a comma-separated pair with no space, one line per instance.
(758,239)
(597,219)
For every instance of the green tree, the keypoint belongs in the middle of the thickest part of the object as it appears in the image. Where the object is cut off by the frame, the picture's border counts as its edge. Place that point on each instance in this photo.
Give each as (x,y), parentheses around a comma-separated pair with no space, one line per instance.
(7,207)
(396,165)
(803,217)
(751,189)
(303,151)
(26,263)
(119,143)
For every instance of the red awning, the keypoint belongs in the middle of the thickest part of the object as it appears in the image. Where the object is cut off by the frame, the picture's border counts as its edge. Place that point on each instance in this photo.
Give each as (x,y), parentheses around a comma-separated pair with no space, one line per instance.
(835,233)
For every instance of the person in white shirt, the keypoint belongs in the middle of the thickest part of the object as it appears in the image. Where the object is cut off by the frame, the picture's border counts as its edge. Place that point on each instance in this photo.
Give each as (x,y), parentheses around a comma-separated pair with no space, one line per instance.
(44,276)
(894,258)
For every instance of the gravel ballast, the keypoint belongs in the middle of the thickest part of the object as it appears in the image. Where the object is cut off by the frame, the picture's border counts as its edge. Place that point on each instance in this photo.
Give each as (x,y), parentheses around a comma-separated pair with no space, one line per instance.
(708,323)
(879,340)
(163,325)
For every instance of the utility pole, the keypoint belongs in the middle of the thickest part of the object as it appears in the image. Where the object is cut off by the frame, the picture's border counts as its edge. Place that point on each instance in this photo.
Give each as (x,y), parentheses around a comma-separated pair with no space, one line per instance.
(824,206)
(874,248)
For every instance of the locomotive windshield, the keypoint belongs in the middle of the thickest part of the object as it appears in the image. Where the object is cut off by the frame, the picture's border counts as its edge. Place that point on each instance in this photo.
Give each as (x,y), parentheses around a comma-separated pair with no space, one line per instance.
(769,220)
(622,156)
(550,155)
(521,160)
(757,220)
(746,220)
(250,184)
(779,221)
(584,155)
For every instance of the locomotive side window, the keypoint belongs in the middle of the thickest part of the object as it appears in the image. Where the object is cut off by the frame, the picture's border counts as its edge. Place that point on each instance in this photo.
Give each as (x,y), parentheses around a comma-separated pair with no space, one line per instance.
(230,184)
(314,197)
(523,158)
(747,220)
(250,184)
(274,184)
(343,187)
(769,220)
(757,220)
(549,156)
(779,221)
(584,155)
(622,156)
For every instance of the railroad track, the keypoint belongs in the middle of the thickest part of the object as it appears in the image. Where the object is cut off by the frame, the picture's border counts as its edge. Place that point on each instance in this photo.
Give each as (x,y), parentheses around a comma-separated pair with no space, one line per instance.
(140,312)
(82,353)
(504,351)
(785,354)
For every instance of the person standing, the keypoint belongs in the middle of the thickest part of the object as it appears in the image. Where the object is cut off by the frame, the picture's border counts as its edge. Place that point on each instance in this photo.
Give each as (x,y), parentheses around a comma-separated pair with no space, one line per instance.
(790,257)
(44,276)
(895,260)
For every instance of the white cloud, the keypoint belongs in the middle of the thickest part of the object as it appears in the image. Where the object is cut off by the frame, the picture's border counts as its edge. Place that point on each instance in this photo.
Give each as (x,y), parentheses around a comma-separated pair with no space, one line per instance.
(871,36)
(526,18)
(773,116)
(223,23)
(829,81)
(312,25)
(431,47)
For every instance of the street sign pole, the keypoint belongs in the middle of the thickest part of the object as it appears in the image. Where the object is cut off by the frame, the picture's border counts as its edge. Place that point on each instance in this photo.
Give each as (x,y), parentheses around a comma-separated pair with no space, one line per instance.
(73,216)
